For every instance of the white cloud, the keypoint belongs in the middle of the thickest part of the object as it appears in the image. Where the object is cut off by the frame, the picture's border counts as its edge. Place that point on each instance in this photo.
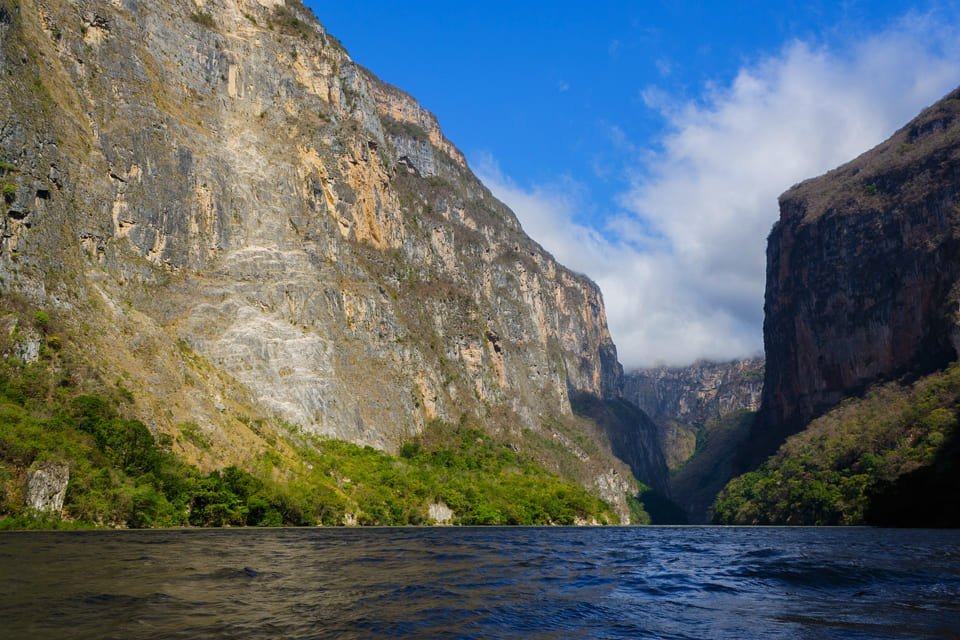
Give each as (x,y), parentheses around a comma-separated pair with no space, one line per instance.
(664,66)
(684,278)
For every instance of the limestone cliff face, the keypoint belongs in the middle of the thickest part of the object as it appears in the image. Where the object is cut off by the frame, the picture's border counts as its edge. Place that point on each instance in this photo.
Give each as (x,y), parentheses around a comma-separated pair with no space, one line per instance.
(682,400)
(241,219)
(862,274)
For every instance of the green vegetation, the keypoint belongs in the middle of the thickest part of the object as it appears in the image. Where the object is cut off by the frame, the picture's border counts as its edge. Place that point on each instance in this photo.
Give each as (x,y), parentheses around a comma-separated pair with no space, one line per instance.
(41,319)
(483,481)
(9,191)
(697,483)
(405,130)
(657,509)
(638,514)
(844,466)
(301,8)
(203,19)
(120,475)
(194,435)
(286,17)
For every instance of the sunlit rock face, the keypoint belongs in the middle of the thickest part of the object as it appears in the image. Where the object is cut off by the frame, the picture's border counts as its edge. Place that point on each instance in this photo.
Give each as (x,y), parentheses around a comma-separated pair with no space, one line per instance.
(862,274)
(243,220)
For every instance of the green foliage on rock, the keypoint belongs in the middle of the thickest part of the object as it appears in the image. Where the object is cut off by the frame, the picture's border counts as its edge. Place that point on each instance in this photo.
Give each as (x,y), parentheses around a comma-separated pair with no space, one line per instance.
(483,481)
(697,483)
(287,18)
(41,319)
(835,472)
(121,476)
(638,514)
(194,435)
(203,19)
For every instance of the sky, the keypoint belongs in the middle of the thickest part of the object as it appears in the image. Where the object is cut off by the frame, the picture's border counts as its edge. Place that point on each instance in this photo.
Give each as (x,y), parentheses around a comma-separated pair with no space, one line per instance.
(645,144)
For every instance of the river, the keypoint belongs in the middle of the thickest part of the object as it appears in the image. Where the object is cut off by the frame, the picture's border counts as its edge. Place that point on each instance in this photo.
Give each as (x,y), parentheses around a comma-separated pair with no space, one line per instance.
(644,582)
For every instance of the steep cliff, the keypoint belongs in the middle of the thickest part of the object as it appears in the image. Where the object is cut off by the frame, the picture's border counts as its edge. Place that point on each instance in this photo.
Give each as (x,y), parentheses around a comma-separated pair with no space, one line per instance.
(233,218)
(683,400)
(862,275)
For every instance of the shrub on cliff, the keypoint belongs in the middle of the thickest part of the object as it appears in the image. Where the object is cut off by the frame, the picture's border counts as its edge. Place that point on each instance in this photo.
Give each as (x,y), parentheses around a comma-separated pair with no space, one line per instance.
(120,475)
(203,19)
(846,463)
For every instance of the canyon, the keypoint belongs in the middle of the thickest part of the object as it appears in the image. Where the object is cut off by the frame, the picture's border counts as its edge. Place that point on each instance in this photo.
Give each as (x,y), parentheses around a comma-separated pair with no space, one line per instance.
(214,217)
(237,224)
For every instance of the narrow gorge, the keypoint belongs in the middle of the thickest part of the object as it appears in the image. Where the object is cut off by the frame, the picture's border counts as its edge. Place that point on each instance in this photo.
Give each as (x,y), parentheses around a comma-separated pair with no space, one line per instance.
(245,281)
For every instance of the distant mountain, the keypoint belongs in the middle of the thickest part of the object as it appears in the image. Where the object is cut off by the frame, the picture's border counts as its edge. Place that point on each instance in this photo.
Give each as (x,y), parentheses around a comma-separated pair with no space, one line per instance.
(683,400)
(702,413)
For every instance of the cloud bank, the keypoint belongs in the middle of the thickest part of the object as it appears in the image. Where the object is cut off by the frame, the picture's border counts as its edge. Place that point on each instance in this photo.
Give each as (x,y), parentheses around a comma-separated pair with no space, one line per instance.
(682,264)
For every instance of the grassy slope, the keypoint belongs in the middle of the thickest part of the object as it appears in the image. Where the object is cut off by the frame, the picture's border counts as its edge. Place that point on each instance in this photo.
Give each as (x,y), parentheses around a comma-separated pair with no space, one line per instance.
(887,458)
(120,475)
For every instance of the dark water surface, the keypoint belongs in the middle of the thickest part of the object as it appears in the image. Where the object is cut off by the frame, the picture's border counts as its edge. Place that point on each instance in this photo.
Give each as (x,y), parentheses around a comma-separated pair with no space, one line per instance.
(707,583)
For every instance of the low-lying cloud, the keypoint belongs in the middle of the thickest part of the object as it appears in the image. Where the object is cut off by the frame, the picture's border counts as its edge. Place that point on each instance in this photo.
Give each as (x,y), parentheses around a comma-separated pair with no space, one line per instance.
(682,264)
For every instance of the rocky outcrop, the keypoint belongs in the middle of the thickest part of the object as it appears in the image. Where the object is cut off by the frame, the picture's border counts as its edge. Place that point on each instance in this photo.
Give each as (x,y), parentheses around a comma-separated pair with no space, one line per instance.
(439,513)
(862,275)
(683,400)
(237,219)
(413,132)
(47,487)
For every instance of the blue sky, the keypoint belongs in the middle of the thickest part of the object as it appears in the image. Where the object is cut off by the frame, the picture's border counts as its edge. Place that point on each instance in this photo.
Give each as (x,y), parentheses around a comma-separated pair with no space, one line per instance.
(645,143)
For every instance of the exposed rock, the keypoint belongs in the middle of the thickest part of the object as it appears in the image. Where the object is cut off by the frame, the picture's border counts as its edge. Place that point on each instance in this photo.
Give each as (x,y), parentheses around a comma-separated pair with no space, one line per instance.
(683,400)
(275,231)
(862,275)
(47,486)
(439,513)
(413,131)
(26,340)
(27,348)
(612,486)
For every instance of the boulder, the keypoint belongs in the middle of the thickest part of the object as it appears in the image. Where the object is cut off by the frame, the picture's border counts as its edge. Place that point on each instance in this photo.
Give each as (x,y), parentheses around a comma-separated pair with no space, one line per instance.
(47,486)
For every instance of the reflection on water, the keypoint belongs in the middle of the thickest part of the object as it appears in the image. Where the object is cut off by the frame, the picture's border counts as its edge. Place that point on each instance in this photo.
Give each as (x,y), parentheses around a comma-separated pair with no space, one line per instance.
(492,582)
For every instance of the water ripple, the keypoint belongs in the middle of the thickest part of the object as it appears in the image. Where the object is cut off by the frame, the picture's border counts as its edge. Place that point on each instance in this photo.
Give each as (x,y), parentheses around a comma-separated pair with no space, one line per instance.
(680,583)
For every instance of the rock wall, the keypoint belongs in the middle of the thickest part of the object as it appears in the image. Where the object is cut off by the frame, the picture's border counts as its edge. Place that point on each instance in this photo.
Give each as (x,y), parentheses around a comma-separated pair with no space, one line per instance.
(682,400)
(633,437)
(862,275)
(241,220)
